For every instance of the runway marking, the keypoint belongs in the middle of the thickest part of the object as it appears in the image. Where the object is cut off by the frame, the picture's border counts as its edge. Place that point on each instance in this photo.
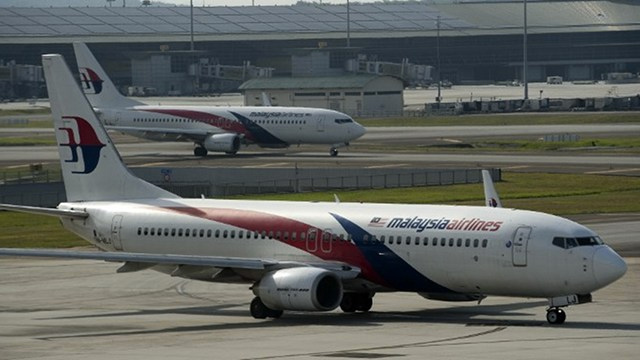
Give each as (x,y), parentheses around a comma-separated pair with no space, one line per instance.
(611,171)
(384,166)
(267,165)
(516,167)
(154,164)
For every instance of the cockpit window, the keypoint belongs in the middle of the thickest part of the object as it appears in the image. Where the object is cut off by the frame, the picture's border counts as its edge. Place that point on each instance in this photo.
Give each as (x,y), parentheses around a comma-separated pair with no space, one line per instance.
(568,243)
(343,121)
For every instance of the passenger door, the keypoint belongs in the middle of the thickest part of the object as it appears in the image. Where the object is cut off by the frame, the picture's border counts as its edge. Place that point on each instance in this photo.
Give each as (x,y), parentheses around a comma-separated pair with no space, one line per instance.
(519,248)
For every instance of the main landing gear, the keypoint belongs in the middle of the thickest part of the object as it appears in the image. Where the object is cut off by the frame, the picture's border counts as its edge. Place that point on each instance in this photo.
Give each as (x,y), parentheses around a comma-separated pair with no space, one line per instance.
(333,152)
(199,151)
(556,316)
(260,311)
(352,302)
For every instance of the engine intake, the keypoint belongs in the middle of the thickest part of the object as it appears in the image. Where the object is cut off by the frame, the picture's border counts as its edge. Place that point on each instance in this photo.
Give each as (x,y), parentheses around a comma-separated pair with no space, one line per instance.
(229,143)
(302,288)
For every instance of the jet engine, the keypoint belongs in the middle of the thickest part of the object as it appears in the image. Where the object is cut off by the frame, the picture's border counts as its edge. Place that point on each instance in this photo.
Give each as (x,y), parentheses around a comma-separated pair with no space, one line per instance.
(301,288)
(229,143)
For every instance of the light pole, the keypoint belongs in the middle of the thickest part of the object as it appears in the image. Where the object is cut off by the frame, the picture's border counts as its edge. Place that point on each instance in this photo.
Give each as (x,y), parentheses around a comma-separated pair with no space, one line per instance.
(348,25)
(524,55)
(191,15)
(438,58)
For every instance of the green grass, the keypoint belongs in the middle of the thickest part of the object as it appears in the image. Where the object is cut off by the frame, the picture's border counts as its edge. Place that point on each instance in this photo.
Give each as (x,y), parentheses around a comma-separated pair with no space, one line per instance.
(561,194)
(507,119)
(35,231)
(28,141)
(26,112)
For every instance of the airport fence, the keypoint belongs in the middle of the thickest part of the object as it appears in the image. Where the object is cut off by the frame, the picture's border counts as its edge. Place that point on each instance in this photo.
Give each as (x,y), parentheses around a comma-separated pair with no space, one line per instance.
(201,182)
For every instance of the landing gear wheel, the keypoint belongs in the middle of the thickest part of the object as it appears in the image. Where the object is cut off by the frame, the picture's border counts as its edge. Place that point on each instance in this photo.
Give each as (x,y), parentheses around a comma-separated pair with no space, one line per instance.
(365,303)
(556,316)
(199,151)
(258,309)
(333,152)
(348,303)
(352,302)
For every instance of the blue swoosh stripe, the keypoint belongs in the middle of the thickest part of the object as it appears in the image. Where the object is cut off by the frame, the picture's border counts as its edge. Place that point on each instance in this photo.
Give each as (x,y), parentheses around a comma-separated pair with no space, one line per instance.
(261,135)
(397,272)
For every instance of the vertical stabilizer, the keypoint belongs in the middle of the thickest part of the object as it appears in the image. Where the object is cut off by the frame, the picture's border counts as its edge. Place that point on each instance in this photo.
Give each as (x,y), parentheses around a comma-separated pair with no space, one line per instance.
(96,84)
(491,197)
(91,166)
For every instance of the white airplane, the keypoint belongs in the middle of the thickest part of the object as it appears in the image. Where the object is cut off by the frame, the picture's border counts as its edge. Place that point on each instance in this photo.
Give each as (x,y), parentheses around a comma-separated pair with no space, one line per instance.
(306,256)
(212,128)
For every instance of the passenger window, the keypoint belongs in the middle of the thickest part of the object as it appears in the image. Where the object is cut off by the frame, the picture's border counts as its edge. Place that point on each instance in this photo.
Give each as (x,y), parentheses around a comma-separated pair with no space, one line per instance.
(451,242)
(278,235)
(286,236)
(209,233)
(398,240)
(179,232)
(485,242)
(365,239)
(434,242)
(382,239)
(408,240)
(425,241)
(240,234)
(467,243)
(187,232)
(173,231)
(476,242)
(139,231)
(233,234)
(166,231)
(217,233)
(294,236)
(146,231)
(417,240)
(390,239)
(270,235)
(443,242)
(153,231)
(459,243)
(225,233)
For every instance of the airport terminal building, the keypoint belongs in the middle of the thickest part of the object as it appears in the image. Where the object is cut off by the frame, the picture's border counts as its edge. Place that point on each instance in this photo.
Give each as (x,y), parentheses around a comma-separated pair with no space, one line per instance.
(478,41)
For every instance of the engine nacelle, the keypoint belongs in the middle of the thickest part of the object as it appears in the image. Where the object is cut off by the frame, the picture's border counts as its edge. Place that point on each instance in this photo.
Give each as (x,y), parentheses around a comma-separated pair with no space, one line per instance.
(301,288)
(452,297)
(229,143)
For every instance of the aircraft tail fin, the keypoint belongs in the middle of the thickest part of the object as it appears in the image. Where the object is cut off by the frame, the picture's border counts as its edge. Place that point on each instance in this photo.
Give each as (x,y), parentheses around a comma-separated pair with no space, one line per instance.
(490,194)
(92,169)
(96,85)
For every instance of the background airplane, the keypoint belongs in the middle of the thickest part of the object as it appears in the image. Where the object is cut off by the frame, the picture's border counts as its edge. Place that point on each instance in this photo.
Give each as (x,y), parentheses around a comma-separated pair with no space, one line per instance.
(305,256)
(212,128)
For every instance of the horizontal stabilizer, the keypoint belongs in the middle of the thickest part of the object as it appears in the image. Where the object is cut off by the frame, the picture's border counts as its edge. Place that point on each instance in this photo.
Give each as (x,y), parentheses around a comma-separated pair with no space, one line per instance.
(74,214)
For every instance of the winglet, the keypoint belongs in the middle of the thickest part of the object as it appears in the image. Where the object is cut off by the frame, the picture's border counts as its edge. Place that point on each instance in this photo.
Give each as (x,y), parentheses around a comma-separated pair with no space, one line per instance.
(491,197)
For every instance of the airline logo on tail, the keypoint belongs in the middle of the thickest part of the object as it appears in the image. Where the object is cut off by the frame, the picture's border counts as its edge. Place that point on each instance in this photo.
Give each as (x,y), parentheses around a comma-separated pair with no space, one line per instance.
(88,143)
(91,82)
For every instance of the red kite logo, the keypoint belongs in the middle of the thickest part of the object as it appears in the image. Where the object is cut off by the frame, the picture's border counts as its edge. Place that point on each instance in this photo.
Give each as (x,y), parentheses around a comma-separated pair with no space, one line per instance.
(91,82)
(88,143)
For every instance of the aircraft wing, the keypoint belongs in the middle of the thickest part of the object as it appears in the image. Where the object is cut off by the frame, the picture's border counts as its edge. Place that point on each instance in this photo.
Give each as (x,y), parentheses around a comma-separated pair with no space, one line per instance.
(140,261)
(191,134)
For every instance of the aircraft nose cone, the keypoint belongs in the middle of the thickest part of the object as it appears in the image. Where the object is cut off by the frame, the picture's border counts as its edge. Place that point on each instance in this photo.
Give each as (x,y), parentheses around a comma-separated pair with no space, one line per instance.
(359,131)
(608,266)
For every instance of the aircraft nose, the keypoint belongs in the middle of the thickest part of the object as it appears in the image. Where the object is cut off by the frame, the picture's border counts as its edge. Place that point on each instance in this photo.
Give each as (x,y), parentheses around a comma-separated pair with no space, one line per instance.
(359,131)
(608,266)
